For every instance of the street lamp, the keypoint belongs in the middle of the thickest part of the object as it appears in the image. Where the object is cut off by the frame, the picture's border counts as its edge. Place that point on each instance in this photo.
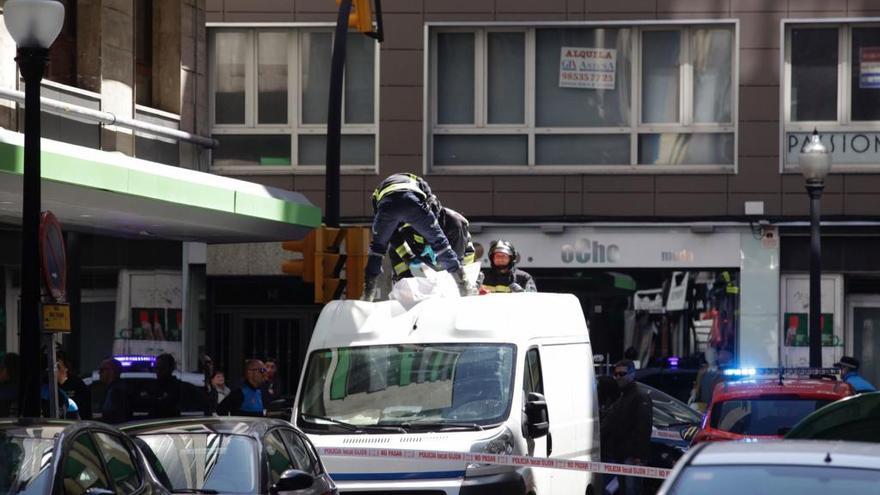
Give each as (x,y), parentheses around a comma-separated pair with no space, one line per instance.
(34,25)
(815,163)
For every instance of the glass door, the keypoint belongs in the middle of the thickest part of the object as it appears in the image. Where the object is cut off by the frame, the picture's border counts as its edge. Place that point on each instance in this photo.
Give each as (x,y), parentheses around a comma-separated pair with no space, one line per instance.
(863,334)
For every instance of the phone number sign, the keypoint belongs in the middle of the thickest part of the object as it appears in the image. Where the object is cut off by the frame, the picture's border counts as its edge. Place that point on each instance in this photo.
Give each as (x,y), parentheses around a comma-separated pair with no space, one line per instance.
(587,68)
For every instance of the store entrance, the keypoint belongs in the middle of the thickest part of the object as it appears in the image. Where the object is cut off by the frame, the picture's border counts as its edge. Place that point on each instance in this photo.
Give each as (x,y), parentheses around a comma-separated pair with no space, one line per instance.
(666,316)
(864,332)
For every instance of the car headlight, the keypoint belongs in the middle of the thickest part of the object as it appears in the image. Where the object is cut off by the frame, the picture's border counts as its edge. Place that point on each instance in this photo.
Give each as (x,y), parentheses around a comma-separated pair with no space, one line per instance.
(502,443)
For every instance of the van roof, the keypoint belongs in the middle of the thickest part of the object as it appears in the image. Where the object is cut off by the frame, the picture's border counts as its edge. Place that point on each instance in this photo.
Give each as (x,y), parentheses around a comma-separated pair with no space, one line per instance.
(512,318)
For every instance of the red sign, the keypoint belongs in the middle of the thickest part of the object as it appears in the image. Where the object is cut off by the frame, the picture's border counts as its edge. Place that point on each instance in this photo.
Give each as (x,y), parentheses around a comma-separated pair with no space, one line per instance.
(53,257)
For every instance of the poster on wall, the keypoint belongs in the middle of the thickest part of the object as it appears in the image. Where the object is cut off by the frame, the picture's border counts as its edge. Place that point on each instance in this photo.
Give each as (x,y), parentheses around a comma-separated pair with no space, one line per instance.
(869,67)
(795,327)
(149,313)
(587,68)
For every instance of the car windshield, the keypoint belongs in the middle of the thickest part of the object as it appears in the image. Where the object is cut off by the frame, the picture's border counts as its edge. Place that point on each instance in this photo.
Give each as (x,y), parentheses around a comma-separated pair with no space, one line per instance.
(25,464)
(405,385)
(669,411)
(803,480)
(762,415)
(206,461)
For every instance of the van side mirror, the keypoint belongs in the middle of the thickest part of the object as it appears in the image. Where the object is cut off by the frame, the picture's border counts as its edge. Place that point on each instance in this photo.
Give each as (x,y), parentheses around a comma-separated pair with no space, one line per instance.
(291,481)
(537,417)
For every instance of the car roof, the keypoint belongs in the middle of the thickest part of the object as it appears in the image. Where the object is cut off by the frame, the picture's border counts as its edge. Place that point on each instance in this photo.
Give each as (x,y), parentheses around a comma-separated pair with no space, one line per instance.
(789,453)
(814,389)
(46,428)
(229,425)
(506,318)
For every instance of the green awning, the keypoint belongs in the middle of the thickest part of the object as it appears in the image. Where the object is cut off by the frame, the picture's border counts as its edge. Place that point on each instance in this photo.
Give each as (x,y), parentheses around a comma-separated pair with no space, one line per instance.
(114,194)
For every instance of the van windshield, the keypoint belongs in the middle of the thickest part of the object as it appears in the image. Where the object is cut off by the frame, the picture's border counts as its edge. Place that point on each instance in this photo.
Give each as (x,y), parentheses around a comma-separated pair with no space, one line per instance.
(407,386)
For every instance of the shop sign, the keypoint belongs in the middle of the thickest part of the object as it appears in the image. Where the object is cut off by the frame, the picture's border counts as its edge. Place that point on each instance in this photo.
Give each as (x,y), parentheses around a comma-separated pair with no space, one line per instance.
(869,67)
(587,68)
(845,147)
(581,247)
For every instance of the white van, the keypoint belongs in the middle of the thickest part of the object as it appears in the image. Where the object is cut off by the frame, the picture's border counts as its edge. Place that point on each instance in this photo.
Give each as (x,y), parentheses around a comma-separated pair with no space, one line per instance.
(499,373)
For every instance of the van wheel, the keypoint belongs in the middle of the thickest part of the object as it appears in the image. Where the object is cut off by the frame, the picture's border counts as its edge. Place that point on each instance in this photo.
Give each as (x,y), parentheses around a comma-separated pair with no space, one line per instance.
(589,490)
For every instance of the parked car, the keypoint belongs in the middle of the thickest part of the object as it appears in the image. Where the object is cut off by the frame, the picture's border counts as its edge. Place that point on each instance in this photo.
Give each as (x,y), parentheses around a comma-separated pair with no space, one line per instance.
(804,467)
(673,422)
(193,399)
(855,418)
(232,455)
(677,382)
(43,457)
(765,408)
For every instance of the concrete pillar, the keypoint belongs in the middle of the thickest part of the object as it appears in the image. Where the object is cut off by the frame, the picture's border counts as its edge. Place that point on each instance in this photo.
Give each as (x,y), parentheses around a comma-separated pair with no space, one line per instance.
(193,82)
(167,41)
(117,71)
(88,44)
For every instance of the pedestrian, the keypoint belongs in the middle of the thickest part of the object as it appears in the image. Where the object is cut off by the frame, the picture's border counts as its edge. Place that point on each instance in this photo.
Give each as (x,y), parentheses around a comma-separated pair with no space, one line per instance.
(607,394)
(73,385)
(218,383)
(165,392)
(247,400)
(9,385)
(849,372)
(272,385)
(705,383)
(115,407)
(629,423)
(408,248)
(406,199)
(503,275)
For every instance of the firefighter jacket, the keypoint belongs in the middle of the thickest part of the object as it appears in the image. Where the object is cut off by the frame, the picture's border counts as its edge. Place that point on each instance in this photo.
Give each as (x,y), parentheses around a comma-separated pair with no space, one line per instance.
(514,280)
(407,246)
(401,182)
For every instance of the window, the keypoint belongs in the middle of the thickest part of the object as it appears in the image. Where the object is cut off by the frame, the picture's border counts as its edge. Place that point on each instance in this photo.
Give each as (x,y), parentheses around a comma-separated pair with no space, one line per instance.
(533,381)
(269,93)
(580,99)
(832,84)
(276,454)
(303,457)
(120,462)
(83,469)
(63,53)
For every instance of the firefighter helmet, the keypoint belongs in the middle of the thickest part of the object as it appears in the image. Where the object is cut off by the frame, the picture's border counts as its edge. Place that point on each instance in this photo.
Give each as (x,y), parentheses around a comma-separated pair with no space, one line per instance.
(502,246)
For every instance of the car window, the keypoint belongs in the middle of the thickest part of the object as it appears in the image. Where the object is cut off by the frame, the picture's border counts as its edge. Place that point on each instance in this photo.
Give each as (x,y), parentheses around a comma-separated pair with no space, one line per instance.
(803,480)
(276,453)
(120,461)
(25,464)
(534,381)
(668,411)
(762,416)
(82,468)
(303,457)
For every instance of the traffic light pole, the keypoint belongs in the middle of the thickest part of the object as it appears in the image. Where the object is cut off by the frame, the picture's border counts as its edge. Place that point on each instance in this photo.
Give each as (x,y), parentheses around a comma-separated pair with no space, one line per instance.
(334,117)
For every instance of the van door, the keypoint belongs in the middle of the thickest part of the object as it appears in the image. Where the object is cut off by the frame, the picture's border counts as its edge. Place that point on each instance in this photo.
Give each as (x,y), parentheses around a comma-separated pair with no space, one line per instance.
(533,381)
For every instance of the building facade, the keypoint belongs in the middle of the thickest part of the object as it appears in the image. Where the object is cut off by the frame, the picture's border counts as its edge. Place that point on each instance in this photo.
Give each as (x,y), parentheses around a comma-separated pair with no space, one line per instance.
(628,148)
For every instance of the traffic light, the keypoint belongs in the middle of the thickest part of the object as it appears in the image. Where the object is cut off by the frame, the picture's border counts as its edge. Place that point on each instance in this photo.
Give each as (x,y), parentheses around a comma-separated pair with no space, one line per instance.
(361,17)
(323,261)
(304,267)
(357,242)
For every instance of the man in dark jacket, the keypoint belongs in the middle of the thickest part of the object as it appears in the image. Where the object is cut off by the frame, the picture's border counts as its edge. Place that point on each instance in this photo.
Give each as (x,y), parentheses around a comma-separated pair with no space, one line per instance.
(115,407)
(406,199)
(165,394)
(73,386)
(503,275)
(246,400)
(407,247)
(629,422)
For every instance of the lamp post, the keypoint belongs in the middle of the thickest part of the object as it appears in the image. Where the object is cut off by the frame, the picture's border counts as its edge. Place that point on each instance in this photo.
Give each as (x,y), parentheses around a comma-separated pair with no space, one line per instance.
(815,163)
(34,25)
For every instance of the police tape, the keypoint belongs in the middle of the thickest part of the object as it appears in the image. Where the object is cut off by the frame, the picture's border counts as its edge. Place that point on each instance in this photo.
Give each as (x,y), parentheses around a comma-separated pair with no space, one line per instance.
(497,459)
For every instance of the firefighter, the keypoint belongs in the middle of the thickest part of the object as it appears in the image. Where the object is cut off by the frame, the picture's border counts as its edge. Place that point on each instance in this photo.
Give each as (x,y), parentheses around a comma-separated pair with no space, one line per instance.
(407,199)
(407,247)
(503,275)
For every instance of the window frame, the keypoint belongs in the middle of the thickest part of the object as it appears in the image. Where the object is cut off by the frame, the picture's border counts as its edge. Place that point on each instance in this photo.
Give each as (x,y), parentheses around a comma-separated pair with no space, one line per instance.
(295,128)
(129,448)
(634,129)
(844,121)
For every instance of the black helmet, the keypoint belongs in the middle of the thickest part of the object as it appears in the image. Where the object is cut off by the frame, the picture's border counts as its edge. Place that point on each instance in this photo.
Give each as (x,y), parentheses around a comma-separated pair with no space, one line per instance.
(502,246)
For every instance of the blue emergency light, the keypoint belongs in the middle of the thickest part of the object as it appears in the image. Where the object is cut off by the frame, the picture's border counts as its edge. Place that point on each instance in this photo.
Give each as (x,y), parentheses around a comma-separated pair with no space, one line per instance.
(128,360)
